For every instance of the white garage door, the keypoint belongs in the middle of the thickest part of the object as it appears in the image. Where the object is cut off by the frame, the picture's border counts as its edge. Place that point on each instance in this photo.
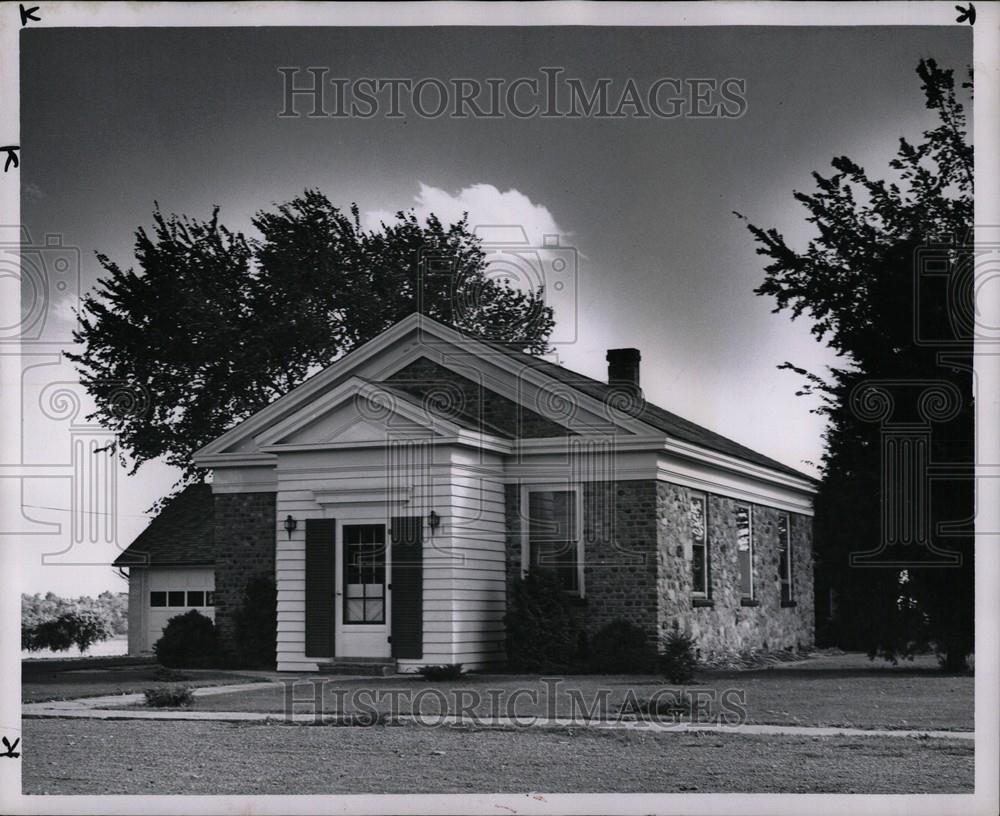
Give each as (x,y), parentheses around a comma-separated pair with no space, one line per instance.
(172,592)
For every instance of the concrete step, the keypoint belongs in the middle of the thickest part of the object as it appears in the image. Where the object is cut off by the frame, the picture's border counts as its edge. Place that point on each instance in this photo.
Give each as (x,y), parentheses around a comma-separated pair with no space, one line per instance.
(370,666)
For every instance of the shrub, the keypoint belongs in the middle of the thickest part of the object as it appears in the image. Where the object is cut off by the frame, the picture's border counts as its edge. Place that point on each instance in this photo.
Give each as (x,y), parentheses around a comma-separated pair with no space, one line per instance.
(189,641)
(659,705)
(621,647)
(446,671)
(256,623)
(82,628)
(679,659)
(169,697)
(541,632)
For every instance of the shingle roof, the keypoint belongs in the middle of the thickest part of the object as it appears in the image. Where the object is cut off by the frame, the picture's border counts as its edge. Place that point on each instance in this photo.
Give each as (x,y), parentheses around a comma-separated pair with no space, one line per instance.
(671,424)
(463,418)
(181,535)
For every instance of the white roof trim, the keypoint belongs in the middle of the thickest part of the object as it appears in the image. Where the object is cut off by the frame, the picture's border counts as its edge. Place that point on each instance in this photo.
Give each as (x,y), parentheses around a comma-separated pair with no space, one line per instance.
(297,409)
(429,330)
(347,391)
(301,393)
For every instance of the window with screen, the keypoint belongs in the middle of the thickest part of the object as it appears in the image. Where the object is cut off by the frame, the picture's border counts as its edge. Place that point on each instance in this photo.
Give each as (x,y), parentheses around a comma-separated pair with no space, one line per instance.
(744,548)
(699,546)
(785,558)
(364,573)
(554,535)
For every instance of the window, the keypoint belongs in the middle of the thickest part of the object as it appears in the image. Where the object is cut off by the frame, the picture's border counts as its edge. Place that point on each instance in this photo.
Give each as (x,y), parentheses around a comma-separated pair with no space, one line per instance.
(744,548)
(784,558)
(364,573)
(177,598)
(554,535)
(699,546)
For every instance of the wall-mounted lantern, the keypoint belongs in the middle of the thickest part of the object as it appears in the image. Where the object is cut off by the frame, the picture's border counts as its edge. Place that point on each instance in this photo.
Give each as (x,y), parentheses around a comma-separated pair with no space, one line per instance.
(290,525)
(433,520)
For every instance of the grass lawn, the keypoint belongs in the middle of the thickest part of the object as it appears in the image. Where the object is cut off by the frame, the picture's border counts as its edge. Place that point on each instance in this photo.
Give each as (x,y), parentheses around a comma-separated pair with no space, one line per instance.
(40,683)
(132,757)
(841,691)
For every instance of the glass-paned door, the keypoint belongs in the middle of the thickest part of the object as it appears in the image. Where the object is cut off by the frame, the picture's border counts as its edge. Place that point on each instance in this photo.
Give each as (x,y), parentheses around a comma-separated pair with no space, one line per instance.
(364,573)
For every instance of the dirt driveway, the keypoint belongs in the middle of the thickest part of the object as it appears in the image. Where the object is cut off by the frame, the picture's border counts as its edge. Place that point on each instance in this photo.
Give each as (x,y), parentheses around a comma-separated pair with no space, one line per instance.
(130,757)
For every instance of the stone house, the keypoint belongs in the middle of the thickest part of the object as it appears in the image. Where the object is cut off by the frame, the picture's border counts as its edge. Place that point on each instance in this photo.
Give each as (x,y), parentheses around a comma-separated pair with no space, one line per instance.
(396,494)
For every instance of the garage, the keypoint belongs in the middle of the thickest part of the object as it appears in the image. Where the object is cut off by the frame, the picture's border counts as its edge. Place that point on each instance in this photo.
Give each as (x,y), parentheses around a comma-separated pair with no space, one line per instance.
(170,567)
(166,593)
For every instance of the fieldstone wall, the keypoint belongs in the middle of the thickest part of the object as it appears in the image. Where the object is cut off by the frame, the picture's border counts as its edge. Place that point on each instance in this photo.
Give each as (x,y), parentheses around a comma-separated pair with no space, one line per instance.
(725,624)
(448,394)
(637,547)
(245,528)
(620,559)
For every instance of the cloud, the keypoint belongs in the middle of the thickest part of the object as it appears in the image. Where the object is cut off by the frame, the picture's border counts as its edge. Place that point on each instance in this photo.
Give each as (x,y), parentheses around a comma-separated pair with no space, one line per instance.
(494,215)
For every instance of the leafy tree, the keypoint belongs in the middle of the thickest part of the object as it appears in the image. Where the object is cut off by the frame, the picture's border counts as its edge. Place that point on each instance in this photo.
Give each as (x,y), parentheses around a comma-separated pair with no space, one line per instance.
(111,605)
(82,628)
(217,325)
(862,282)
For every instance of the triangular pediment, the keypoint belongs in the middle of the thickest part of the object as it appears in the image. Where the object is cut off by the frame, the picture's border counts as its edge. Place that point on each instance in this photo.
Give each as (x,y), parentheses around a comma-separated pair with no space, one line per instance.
(304,411)
(346,424)
(355,412)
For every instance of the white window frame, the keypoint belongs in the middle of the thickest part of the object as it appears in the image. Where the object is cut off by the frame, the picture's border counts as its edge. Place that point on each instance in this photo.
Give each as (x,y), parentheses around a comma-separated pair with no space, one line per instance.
(577,490)
(705,590)
(788,560)
(753,588)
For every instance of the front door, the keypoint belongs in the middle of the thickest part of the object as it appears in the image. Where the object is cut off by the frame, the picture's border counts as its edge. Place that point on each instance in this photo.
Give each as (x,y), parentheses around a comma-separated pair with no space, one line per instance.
(361,598)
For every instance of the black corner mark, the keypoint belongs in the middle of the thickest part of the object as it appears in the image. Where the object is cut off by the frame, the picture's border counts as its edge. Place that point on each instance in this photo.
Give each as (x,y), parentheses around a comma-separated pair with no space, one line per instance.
(28,14)
(966,14)
(11,753)
(11,156)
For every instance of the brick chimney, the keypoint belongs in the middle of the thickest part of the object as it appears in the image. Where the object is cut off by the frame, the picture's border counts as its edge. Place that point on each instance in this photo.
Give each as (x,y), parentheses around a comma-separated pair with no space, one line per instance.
(623,367)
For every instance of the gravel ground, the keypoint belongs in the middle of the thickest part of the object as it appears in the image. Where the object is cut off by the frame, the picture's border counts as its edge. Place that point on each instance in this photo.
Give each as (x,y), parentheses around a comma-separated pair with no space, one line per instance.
(130,757)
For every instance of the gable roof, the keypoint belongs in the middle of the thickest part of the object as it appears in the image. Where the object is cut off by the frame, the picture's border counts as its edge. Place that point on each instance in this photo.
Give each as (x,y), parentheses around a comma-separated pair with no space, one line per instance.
(661,419)
(464,419)
(427,330)
(181,535)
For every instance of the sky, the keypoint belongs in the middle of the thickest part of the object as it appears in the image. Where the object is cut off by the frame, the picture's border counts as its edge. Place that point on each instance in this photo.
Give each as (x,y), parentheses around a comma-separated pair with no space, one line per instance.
(114,120)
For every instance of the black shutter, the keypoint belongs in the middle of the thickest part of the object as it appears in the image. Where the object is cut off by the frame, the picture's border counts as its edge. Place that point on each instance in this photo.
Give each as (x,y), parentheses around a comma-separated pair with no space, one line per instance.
(320,578)
(407,587)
